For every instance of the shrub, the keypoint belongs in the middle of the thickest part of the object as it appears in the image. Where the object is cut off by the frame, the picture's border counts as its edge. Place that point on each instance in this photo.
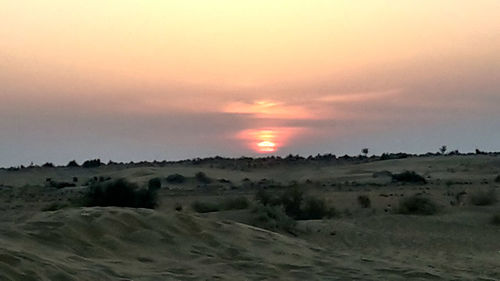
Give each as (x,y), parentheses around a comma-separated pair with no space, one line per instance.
(48,165)
(291,201)
(417,205)
(154,184)
(121,193)
(92,163)
(235,203)
(201,177)
(176,178)
(364,201)
(272,218)
(495,219)
(266,198)
(497,179)
(409,176)
(205,207)
(315,209)
(60,185)
(483,198)
(54,207)
(72,163)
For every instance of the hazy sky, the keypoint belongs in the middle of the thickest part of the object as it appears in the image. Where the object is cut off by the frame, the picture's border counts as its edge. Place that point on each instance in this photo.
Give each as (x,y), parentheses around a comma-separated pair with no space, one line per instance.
(143,80)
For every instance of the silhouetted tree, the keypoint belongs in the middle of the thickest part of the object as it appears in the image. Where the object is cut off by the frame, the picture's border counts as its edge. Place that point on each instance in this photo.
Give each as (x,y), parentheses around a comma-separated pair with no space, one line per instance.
(443,149)
(365,151)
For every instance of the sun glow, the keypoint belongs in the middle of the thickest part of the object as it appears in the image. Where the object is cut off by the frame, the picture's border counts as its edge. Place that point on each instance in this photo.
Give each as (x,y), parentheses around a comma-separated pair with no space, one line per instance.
(268,140)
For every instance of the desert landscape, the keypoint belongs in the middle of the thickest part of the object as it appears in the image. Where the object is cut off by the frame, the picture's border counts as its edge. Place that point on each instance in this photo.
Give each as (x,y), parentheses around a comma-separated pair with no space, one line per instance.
(215,219)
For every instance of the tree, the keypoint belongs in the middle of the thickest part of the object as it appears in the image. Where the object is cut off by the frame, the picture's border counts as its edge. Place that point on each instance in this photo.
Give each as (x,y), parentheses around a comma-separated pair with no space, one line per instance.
(365,151)
(443,149)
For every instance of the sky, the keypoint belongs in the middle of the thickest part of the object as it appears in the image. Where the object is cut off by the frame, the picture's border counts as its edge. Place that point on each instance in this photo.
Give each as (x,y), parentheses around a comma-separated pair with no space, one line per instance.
(138,80)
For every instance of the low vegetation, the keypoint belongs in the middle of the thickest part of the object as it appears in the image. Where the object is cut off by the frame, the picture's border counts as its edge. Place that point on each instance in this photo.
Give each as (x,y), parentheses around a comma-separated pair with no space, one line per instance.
(121,193)
(409,177)
(483,197)
(54,207)
(496,219)
(296,204)
(417,205)
(231,203)
(176,178)
(154,184)
(201,177)
(273,218)
(364,201)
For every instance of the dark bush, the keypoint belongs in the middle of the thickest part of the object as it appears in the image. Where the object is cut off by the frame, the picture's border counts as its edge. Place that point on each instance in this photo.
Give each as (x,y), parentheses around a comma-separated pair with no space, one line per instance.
(59,185)
(48,165)
(497,179)
(495,219)
(201,177)
(121,193)
(266,198)
(72,163)
(417,205)
(483,198)
(235,203)
(292,201)
(410,177)
(272,218)
(315,209)
(92,163)
(364,201)
(205,207)
(54,207)
(176,178)
(154,184)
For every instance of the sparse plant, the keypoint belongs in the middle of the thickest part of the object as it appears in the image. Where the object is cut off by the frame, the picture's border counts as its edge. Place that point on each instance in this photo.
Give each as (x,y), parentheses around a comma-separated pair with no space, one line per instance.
(365,151)
(315,209)
(364,201)
(417,205)
(267,198)
(483,197)
(443,149)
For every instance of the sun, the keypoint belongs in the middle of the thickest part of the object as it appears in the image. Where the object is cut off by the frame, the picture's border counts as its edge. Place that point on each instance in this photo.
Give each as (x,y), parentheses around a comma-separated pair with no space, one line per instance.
(266,146)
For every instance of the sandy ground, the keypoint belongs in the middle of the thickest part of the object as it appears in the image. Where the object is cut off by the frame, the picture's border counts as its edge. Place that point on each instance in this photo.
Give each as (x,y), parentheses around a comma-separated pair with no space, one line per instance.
(77,243)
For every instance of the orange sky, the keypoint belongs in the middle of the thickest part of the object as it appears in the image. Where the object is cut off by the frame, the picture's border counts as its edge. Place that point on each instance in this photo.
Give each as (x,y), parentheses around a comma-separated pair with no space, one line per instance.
(270,64)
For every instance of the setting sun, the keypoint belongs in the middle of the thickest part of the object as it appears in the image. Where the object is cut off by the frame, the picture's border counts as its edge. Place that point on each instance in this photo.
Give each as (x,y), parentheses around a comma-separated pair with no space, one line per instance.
(266,146)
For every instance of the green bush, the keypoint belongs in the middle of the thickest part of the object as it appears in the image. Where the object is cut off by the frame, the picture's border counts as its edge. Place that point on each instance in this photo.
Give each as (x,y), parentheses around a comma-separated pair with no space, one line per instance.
(409,176)
(176,178)
(417,205)
(121,193)
(272,218)
(201,177)
(483,198)
(364,201)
